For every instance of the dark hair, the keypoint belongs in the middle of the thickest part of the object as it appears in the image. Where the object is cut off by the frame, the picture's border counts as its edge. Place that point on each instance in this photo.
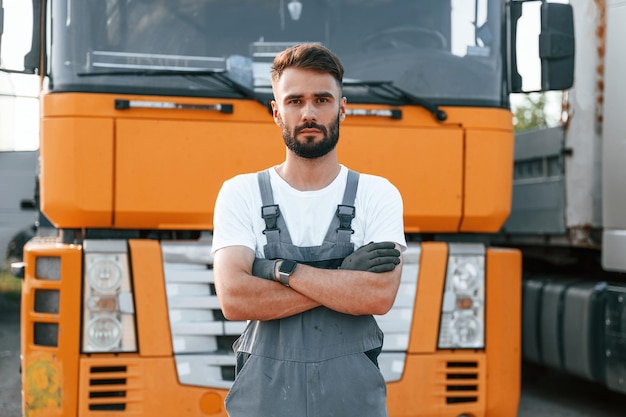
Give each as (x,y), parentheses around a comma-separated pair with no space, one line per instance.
(311,56)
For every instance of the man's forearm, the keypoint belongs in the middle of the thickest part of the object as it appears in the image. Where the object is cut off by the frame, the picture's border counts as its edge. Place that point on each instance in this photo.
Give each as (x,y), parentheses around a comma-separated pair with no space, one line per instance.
(366,283)
(346,291)
(247,297)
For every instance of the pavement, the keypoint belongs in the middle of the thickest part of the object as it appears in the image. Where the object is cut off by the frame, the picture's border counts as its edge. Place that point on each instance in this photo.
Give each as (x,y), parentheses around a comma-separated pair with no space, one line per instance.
(10,386)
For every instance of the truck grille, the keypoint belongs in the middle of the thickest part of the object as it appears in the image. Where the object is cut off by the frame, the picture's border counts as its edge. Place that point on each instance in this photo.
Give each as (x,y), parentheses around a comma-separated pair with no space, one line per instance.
(202,338)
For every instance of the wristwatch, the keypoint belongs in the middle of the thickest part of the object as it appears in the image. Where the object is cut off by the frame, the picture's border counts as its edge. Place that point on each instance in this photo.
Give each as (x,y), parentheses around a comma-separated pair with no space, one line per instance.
(286,268)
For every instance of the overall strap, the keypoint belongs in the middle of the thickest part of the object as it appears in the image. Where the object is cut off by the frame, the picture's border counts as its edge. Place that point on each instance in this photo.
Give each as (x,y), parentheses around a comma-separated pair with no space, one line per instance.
(267,197)
(270,211)
(342,223)
(351,186)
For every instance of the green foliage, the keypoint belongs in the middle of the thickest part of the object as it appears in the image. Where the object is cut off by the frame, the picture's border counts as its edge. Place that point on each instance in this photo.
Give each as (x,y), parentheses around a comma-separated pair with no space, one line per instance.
(9,285)
(530,113)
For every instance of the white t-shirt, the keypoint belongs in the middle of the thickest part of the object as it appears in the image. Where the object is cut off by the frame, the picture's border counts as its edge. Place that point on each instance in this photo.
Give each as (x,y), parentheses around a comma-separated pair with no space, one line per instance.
(237,218)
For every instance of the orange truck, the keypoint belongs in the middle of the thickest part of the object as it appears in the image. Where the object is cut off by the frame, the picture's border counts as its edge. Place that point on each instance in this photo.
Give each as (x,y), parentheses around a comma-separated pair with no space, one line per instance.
(147,107)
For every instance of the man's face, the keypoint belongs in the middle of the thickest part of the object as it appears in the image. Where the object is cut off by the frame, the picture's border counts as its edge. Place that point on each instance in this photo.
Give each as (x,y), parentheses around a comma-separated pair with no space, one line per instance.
(308,107)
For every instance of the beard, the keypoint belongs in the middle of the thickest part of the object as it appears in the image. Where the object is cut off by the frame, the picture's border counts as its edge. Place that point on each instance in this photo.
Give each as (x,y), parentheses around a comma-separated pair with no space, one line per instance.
(308,148)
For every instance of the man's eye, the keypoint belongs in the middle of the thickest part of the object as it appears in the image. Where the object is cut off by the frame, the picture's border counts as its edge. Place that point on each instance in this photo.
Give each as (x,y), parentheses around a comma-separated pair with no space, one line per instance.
(294,101)
(322,100)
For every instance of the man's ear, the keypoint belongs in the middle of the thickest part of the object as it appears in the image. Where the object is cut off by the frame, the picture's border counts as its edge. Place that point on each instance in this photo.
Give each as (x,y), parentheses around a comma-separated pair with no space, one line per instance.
(275,113)
(342,109)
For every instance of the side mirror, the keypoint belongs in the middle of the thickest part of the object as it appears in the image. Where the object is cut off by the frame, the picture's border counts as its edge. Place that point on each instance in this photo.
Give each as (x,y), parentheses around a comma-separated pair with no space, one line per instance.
(557,46)
(1,26)
(16,25)
(541,46)
(31,59)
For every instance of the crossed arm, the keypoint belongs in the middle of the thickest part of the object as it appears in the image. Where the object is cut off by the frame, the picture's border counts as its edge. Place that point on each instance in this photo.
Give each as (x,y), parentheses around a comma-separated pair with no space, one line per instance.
(243,296)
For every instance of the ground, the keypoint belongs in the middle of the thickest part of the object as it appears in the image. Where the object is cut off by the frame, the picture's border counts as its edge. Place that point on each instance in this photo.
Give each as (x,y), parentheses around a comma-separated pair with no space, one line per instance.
(10,391)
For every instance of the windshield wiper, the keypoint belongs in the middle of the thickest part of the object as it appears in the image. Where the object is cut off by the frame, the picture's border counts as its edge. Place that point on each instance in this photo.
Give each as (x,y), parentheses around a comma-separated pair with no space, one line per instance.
(152,72)
(398,93)
(216,74)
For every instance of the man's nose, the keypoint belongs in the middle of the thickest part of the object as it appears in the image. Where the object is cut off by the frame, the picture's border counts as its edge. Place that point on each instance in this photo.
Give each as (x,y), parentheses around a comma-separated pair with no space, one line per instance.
(309,113)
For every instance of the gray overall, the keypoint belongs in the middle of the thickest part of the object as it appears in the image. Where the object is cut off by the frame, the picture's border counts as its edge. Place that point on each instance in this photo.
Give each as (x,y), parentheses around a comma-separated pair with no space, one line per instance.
(317,363)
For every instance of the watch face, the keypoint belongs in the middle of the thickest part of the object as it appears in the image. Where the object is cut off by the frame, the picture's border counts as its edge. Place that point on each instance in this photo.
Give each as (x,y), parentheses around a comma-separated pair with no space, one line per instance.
(287,266)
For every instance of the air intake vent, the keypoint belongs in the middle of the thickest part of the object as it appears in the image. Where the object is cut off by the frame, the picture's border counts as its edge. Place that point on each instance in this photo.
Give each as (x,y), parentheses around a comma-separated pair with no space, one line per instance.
(461,382)
(107,388)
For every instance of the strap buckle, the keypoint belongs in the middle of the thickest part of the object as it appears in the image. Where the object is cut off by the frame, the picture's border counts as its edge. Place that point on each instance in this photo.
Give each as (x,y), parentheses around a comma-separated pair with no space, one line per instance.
(270,215)
(345,215)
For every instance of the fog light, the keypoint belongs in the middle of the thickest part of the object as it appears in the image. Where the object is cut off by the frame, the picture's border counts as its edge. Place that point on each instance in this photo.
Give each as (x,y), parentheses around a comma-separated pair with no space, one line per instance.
(466,331)
(104,332)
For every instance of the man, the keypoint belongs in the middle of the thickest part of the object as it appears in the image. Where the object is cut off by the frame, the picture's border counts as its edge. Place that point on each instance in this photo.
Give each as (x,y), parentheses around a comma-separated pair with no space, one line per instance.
(311,346)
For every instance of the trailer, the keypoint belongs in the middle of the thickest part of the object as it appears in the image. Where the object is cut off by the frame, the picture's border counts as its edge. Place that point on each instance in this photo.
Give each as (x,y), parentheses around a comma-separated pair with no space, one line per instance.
(568,212)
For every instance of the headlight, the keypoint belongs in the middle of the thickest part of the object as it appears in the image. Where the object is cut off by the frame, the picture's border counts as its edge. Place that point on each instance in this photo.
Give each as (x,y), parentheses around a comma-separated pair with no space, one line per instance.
(464,275)
(462,322)
(108,309)
(105,273)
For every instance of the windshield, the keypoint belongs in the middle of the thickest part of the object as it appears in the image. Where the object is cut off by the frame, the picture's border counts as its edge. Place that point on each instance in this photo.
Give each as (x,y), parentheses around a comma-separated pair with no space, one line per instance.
(445,51)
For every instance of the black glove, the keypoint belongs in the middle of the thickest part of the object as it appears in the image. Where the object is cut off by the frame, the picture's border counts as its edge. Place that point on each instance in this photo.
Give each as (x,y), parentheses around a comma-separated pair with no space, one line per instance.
(373,257)
(264,268)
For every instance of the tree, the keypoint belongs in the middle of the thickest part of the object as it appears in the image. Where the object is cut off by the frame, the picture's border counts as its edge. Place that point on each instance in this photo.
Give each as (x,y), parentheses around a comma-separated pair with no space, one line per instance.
(530,113)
